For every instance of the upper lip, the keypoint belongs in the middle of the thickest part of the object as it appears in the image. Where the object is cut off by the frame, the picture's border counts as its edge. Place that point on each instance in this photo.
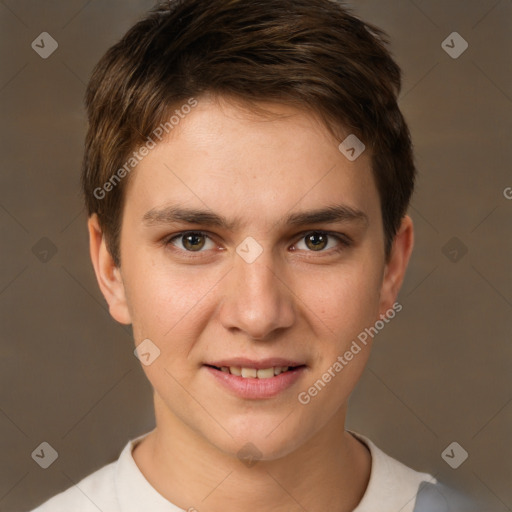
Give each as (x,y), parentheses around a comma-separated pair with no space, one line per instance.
(243,362)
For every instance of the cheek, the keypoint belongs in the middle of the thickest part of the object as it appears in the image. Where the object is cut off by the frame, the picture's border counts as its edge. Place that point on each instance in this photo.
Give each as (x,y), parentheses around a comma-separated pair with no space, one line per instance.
(344,300)
(169,307)
(167,304)
(341,309)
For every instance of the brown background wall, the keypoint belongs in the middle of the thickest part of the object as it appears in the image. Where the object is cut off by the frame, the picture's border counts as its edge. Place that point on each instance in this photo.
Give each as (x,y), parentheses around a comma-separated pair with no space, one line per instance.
(439,373)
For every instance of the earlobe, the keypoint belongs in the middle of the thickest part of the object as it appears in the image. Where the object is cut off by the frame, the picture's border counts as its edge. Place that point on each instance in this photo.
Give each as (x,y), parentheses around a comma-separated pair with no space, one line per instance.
(107,273)
(395,268)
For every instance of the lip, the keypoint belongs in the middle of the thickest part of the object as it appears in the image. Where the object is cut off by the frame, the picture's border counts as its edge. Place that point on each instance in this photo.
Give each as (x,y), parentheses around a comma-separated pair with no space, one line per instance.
(254,388)
(243,362)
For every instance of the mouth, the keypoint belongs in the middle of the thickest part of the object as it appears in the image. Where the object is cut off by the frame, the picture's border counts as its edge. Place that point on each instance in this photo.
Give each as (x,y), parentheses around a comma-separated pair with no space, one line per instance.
(255,380)
(256,373)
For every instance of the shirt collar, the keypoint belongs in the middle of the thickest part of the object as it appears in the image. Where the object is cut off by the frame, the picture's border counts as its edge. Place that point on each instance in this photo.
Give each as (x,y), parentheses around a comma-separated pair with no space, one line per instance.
(389,480)
(134,492)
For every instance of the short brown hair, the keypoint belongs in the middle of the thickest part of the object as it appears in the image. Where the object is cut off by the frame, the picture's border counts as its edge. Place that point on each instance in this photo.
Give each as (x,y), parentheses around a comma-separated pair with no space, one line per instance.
(313,54)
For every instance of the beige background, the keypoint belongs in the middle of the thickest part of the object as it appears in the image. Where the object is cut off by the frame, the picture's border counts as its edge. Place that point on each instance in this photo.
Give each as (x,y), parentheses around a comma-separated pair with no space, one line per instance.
(439,373)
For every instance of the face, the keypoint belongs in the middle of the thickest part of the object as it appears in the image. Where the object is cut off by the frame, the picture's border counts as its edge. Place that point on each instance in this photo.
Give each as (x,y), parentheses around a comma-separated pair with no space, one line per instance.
(252,243)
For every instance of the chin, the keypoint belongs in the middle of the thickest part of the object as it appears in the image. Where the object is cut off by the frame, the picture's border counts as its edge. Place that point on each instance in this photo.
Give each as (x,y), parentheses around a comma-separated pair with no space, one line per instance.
(267,439)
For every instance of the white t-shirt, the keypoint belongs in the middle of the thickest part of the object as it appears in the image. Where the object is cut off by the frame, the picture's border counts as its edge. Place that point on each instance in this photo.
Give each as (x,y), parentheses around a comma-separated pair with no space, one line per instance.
(121,487)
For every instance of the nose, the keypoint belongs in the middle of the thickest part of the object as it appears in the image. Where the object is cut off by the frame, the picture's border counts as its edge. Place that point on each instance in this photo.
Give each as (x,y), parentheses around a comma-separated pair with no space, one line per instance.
(258,301)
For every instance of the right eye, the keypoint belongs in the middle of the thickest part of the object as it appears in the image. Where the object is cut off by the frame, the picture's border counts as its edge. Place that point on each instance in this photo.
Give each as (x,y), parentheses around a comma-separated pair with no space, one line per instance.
(190,241)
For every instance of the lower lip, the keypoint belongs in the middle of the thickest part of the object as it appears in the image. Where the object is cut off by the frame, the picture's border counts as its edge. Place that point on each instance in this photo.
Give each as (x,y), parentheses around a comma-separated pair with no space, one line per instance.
(253,388)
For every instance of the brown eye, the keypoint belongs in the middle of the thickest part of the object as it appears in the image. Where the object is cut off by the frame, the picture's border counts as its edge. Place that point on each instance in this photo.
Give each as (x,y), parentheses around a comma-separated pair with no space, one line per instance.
(316,241)
(191,241)
(323,242)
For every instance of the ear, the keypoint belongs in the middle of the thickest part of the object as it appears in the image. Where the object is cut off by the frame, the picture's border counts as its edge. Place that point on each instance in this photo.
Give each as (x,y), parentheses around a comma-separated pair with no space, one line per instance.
(107,273)
(395,268)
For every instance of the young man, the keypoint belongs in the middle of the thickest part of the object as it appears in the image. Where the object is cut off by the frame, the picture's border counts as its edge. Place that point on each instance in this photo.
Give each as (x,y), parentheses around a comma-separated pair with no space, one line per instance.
(247,174)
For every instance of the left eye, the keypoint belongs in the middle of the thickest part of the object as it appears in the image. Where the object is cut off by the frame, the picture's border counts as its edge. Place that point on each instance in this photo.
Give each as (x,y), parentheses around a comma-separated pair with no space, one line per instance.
(317,241)
(192,241)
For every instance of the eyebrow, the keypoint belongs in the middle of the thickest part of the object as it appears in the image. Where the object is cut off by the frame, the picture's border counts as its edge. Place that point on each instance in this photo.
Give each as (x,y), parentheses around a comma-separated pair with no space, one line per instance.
(330,214)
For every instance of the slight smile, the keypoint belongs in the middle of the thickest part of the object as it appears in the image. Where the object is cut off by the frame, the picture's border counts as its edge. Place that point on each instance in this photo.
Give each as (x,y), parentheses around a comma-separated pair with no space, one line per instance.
(256,379)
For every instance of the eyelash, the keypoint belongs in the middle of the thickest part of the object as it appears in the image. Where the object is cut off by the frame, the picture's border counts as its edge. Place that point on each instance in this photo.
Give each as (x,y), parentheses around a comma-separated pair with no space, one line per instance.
(344,242)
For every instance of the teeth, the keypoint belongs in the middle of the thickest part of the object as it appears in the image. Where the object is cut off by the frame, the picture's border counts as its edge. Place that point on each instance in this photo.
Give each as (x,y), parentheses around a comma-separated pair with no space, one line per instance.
(263,373)
(249,372)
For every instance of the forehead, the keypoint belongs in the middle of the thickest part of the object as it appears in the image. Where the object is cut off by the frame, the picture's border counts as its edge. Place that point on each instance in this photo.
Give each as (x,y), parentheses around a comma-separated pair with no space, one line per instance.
(223,157)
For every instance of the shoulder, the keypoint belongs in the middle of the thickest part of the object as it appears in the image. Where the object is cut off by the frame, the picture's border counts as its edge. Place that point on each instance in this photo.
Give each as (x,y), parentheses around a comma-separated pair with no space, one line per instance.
(92,493)
(394,486)
(441,498)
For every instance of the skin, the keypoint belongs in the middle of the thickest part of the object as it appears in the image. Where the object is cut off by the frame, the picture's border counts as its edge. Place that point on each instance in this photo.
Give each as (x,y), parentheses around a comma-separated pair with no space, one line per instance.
(292,301)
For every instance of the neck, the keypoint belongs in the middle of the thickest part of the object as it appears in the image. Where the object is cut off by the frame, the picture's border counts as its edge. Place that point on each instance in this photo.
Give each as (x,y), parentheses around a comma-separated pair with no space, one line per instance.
(330,471)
